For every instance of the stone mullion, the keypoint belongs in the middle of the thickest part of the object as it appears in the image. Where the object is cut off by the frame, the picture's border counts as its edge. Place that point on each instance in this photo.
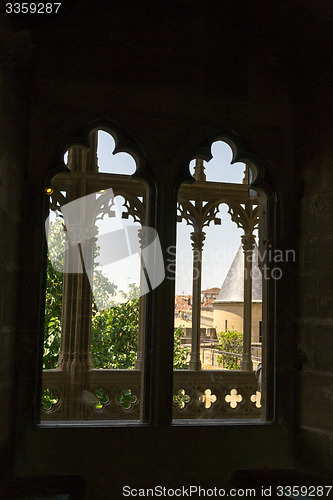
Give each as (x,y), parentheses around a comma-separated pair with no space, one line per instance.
(68,313)
(191,215)
(199,170)
(74,356)
(157,379)
(76,159)
(141,329)
(248,242)
(71,332)
(81,361)
(142,309)
(197,238)
(198,216)
(82,337)
(77,308)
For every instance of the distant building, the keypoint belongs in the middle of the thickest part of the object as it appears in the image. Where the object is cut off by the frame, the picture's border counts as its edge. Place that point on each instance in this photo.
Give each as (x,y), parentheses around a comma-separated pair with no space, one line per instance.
(229,303)
(210,294)
(183,306)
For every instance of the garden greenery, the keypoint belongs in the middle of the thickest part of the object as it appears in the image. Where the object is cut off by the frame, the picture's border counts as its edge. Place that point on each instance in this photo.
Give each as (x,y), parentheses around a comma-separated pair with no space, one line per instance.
(231,343)
(114,331)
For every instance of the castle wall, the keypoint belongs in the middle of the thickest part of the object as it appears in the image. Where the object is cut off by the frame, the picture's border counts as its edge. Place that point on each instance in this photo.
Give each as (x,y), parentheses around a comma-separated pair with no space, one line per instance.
(233,313)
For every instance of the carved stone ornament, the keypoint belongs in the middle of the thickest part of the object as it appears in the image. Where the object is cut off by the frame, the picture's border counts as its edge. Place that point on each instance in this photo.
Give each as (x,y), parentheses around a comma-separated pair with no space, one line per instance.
(246,219)
(198,238)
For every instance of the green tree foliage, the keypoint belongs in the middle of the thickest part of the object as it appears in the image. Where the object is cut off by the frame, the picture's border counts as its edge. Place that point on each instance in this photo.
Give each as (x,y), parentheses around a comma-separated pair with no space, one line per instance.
(114,336)
(103,290)
(231,342)
(180,352)
(53,299)
(133,292)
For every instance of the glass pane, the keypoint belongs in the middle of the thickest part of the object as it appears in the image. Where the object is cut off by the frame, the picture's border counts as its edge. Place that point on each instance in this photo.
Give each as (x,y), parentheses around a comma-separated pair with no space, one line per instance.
(121,163)
(217,321)
(219,168)
(95,293)
(54,287)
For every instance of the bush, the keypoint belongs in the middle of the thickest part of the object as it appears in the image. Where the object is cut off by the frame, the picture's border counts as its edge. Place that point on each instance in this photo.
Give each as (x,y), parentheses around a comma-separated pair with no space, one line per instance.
(52,328)
(231,342)
(114,331)
(114,336)
(180,352)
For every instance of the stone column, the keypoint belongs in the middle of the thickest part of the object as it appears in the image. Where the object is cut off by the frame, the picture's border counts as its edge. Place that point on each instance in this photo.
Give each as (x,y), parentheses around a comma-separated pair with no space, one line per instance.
(199,170)
(197,238)
(75,346)
(68,310)
(248,241)
(84,299)
(142,307)
(77,304)
(78,265)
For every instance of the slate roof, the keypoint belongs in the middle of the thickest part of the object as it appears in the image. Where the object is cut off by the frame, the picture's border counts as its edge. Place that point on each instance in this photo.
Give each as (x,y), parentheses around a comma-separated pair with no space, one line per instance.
(232,289)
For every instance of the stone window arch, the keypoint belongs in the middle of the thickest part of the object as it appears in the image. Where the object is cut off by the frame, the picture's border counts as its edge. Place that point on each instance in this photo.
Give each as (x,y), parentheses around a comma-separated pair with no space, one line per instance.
(75,390)
(84,195)
(208,392)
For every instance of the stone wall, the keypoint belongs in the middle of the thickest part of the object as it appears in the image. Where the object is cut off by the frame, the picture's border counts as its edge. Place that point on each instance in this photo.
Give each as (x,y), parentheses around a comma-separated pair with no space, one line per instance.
(171,79)
(315,325)
(233,313)
(14,133)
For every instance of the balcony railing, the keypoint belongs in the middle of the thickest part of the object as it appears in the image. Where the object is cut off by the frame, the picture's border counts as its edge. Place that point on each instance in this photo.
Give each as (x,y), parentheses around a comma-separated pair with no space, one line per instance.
(115,395)
(223,359)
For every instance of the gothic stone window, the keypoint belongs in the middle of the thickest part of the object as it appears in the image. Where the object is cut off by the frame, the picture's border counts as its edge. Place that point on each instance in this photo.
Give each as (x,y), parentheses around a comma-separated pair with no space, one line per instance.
(223,365)
(96,274)
(103,262)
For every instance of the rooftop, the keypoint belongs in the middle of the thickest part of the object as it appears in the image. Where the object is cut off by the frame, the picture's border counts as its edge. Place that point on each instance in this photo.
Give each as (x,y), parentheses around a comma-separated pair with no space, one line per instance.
(232,289)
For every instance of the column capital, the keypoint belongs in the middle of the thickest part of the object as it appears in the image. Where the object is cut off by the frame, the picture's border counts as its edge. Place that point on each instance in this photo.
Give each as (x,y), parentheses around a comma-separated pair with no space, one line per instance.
(143,236)
(198,238)
(248,241)
(80,233)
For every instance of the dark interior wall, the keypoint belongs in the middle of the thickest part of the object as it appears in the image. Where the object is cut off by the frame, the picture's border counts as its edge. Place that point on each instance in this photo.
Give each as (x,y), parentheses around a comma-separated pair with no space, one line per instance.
(170,77)
(314,155)
(14,133)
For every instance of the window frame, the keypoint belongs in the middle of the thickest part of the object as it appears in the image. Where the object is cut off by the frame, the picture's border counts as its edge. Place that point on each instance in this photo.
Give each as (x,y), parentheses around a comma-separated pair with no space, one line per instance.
(157,410)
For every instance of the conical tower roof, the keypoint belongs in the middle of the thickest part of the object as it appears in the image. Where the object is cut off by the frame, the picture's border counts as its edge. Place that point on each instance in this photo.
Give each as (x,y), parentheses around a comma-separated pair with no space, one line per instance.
(232,289)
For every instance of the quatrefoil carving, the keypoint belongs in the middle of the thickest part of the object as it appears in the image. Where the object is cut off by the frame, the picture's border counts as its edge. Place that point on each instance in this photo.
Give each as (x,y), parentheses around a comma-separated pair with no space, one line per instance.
(50,399)
(233,398)
(127,399)
(101,399)
(256,398)
(181,399)
(208,398)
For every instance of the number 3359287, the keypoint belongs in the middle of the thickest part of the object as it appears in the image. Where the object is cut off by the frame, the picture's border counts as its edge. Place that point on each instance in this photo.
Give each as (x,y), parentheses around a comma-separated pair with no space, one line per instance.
(32,8)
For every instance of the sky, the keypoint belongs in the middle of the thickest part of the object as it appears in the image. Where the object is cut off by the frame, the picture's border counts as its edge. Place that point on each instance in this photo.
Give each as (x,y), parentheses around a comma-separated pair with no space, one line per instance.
(221,243)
